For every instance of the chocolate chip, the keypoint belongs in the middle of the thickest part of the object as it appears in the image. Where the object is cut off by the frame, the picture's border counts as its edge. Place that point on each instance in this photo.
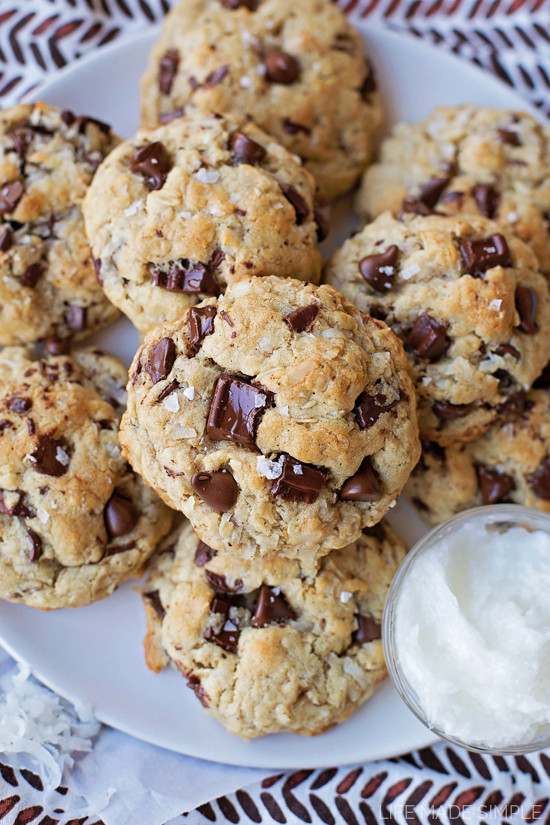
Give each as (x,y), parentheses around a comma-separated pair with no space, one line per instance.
(194,683)
(300,206)
(281,67)
(22,139)
(6,240)
(363,486)
(168,68)
(35,550)
(219,582)
(448,412)
(369,408)
(218,489)
(168,117)
(215,77)
(12,503)
(526,306)
(431,191)
(161,360)
(378,270)
(321,216)
(84,121)
(31,426)
(10,195)
(121,516)
(292,128)
(298,481)
(200,323)
(271,607)
(369,84)
(540,480)
(31,275)
(378,312)
(493,486)
(57,346)
(302,319)
(246,150)
(226,637)
(377,531)
(154,598)
(236,410)
(5,425)
(453,197)
(542,382)
(487,199)
(508,349)
(428,339)
(77,318)
(416,207)
(19,405)
(153,163)
(517,405)
(115,549)
(203,554)
(479,256)
(187,276)
(49,457)
(509,137)
(367,630)
(237,4)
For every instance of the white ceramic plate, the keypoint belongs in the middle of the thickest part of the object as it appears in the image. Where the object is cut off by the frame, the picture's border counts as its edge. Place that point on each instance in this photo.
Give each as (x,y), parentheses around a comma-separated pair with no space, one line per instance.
(95,654)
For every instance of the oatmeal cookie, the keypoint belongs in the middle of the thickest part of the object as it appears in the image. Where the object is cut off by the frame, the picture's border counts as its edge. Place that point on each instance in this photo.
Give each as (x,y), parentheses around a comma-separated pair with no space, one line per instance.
(298,69)
(265,645)
(74,519)
(470,304)
(176,215)
(48,285)
(467,160)
(277,418)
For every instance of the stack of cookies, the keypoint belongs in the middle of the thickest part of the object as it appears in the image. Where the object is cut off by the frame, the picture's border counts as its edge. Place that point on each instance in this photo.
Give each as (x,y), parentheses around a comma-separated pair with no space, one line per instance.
(271,422)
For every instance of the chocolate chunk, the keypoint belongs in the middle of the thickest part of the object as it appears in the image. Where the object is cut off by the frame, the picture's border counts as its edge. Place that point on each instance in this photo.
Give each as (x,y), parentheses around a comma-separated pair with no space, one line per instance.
(200,323)
(509,137)
(31,426)
(542,382)
(161,360)
(237,4)
(321,216)
(5,425)
(215,77)
(292,128)
(228,636)
(517,405)
(479,256)
(526,306)
(218,489)
(31,275)
(19,405)
(367,630)
(493,486)
(194,683)
(246,150)
(168,390)
(115,549)
(168,68)
(121,516)
(369,84)
(302,319)
(187,276)
(487,199)
(431,191)
(369,408)
(508,349)
(453,197)
(448,412)
(153,163)
(168,117)
(10,195)
(49,457)
(300,206)
(428,339)
(6,240)
(35,550)
(271,607)
(219,582)
(411,205)
(154,598)
(363,486)
(378,312)
(97,268)
(298,481)
(84,121)
(377,531)
(378,270)
(203,554)
(281,67)
(12,503)
(22,139)
(76,318)
(236,410)
(540,480)
(57,346)
(68,117)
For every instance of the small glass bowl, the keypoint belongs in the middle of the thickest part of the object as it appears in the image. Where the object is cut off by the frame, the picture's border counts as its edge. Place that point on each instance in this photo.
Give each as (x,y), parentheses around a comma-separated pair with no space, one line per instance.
(503,517)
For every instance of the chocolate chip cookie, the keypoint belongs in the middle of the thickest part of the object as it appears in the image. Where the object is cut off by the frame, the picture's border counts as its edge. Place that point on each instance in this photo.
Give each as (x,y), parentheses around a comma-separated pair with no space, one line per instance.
(510,463)
(468,301)
(298,69)
(48,285)
(277,418)
(266,645)
(467,159)
(74,519)
(175,215)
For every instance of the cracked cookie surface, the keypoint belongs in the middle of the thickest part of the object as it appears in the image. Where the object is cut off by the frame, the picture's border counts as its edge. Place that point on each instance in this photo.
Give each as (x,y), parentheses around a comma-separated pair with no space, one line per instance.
(308,85)
(277,418)
(177,214)
(470,304)
(463,160)
(75,521)
(265,645)
(48,285)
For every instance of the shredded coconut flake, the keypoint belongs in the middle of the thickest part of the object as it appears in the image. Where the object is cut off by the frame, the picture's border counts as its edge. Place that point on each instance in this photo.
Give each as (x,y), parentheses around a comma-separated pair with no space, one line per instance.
(512,217)
(284,409)
(186,215)
(409,271)
(495,304)
(62,456)
(207,175)
(133,208)
(245,82)
(189,392)
(171,402)
(269,469)
(345,596)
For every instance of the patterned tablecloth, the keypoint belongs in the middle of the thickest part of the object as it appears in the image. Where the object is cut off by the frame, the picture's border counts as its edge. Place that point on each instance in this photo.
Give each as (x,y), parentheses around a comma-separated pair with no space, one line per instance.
(511,39)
